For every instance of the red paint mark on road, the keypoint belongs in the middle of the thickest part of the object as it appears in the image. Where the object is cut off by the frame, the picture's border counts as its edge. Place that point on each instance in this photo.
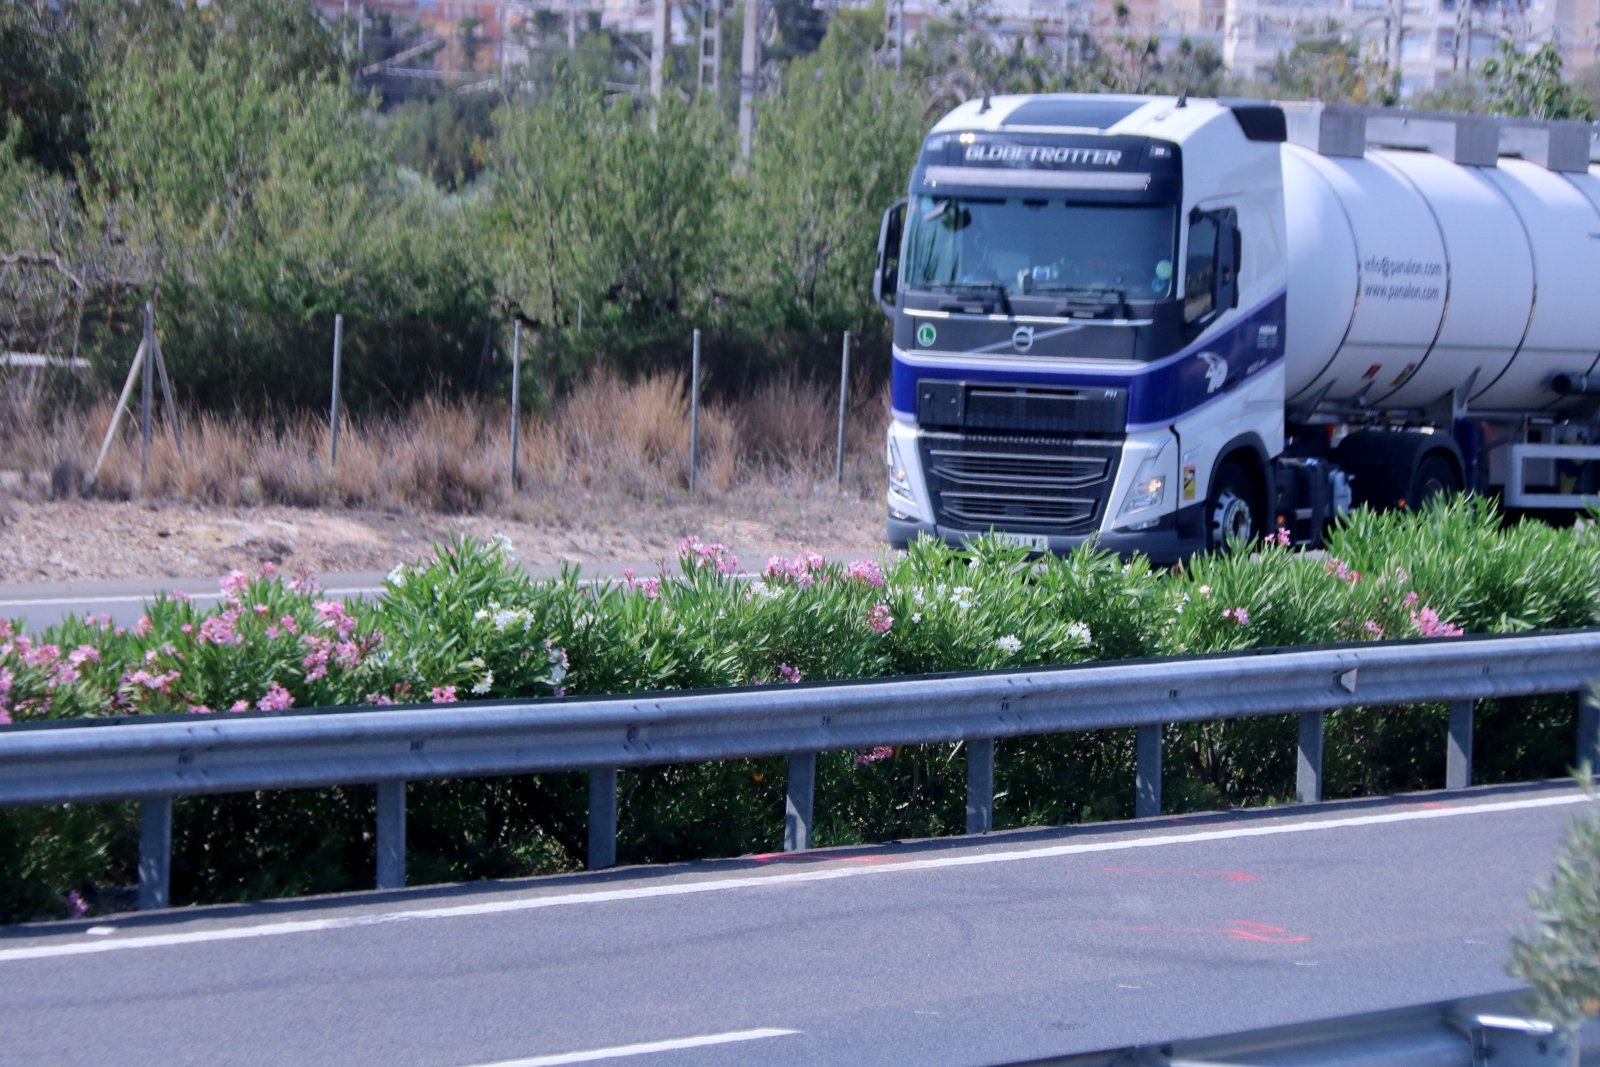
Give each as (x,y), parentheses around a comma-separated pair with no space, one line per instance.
(810,857)
(1237,930)
(1232,876)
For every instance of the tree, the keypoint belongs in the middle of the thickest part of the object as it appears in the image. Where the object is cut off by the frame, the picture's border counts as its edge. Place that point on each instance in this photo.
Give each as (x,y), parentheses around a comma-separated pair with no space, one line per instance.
(835,147)
(1529,85)
(618,205)
(1560,959)
(1332,69)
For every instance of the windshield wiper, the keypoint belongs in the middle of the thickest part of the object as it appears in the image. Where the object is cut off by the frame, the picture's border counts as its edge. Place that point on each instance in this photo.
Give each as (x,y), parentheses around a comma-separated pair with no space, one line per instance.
(997,288)
(1088,298)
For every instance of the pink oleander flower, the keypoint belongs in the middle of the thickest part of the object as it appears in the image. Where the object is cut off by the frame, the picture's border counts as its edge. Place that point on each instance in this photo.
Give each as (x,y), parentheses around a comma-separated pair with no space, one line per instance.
(233,584)
(304,581)
(240,705)
(804,570)
(37,655)
(221,629)
(788,673)
(693,550)
(1373,628)
(77,907)
(5,628)
(62,674)
(199,709)
(268,569)
(7,679)
(865,570)
(1341,570)
(261,610)
(879,621)
(882,752)
(5,716)
(1280,538)
(187,629)
(333,614)
(1238,615)
(1428,624)
(443,694)
(83,654)
(277,698)
(1410,599)
(378,699)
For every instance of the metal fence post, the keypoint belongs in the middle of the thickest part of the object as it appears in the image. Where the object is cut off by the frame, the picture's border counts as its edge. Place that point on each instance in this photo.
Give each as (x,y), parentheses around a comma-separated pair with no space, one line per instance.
(1147,772)
(694,412)
(516,395)
(1458,756)
(155,853)
(392,835)
(602,819)
(147,394)
(844,405)
(980,785)
(1589,728)
(333,404)
(800,795)
(1308,773)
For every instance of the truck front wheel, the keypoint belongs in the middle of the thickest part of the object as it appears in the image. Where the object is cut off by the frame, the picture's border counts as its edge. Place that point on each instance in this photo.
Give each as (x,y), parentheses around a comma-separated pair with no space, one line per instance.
(1234,509)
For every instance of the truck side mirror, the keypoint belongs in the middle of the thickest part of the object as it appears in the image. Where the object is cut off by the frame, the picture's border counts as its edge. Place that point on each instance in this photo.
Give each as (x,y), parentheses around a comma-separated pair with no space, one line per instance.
(886,278)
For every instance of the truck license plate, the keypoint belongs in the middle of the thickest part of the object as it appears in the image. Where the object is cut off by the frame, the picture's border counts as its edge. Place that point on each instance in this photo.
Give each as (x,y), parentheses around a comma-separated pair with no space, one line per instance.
(1037,542)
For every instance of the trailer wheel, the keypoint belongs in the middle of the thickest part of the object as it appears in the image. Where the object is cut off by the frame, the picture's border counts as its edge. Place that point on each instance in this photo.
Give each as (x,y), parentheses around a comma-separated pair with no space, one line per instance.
(1436,476)
(1233,511)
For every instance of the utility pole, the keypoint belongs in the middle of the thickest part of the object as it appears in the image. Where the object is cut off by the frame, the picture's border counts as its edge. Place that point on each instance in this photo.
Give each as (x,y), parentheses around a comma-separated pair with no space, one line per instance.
(572,25)
(660,35)
(709,75)
(894,35)
(748,62)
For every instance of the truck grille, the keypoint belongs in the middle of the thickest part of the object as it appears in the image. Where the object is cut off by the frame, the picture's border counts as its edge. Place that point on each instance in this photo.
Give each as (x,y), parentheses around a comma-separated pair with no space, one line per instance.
(1040,484)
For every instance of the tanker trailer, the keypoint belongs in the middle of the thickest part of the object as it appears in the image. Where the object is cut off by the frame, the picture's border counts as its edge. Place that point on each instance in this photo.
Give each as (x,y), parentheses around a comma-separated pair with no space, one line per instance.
(1166,323)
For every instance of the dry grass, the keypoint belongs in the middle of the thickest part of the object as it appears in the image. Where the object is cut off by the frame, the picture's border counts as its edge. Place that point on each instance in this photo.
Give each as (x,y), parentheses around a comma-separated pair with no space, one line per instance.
(609,437)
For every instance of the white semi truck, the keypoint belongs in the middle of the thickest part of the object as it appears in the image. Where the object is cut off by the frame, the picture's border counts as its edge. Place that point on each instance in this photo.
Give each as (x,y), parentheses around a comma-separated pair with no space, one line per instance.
(1167,323)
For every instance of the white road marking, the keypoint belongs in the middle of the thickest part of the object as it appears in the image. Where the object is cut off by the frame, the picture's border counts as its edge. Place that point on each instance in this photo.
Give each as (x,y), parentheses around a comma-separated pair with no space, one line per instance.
(645,1049)
(140,598)
(768,881)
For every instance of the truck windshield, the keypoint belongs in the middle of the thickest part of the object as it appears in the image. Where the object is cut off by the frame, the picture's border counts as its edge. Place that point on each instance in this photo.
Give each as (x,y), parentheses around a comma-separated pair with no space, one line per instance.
(1020,247)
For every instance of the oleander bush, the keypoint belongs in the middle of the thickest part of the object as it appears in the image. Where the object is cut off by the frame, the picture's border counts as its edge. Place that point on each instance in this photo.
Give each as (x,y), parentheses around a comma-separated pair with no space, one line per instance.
(469,623)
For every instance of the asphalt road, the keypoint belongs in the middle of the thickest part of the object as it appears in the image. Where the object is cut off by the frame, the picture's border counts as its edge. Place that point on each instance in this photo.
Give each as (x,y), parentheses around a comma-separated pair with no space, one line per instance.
(979,951)
(41,604)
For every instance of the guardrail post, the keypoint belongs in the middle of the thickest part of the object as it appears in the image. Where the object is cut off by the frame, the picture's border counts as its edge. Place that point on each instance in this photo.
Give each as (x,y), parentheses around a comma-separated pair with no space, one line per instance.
(1147,772)
(1458,757)
(155,853)
(602,819)
(1589,728)
(980,785)
(1308,773)
(391,835)
(800,792)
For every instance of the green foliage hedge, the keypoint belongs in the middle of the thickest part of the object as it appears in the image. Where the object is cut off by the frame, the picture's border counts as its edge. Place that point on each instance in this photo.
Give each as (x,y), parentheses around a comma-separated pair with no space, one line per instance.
(470,623)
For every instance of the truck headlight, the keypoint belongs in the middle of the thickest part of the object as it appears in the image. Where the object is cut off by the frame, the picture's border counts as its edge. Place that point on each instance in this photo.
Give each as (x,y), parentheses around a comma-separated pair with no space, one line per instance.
(1149,483)
(902,500)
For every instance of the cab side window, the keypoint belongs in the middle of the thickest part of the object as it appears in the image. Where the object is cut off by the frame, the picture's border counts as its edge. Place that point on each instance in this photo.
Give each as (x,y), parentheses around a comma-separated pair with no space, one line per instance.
(1211,280)
(1200,268)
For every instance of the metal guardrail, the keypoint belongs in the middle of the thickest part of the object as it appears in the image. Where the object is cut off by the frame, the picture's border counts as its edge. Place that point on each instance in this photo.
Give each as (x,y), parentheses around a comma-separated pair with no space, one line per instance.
(1473,1032)
(156,761)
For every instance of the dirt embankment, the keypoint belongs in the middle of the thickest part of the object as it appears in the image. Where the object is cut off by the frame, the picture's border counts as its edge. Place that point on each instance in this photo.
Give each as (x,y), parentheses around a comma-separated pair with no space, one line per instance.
(65,540)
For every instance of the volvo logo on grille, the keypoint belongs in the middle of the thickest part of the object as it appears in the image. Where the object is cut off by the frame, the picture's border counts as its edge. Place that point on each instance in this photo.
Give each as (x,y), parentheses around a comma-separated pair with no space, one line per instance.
(1022,339)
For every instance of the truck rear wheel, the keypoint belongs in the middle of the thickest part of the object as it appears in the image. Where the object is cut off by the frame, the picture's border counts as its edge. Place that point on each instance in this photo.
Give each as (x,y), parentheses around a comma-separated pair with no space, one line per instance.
(1234,510)
(1436,476)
